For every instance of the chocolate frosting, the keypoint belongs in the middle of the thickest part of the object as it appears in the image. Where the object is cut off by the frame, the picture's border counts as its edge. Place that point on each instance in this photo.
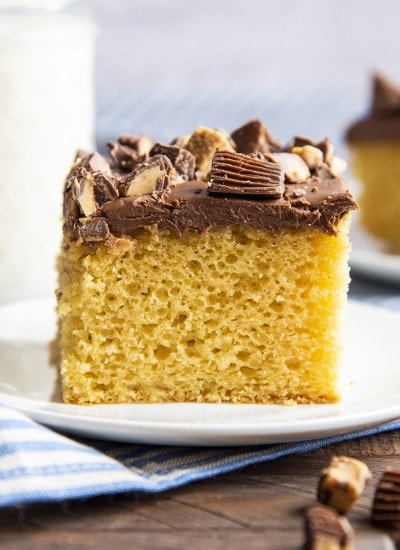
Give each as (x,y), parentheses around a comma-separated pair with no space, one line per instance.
(189,207)
(383,121)
(192,206)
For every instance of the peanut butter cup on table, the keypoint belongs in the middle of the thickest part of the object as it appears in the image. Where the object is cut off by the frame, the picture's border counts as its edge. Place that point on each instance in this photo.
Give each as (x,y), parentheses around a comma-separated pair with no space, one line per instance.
(210,269)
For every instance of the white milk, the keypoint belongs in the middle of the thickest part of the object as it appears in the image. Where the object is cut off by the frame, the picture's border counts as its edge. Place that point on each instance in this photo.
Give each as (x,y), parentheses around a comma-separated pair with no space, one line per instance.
(46,113)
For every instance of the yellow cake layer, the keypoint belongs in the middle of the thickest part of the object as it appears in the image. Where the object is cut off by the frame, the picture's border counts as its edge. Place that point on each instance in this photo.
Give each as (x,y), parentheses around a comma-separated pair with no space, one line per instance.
(237,315)
(377,166)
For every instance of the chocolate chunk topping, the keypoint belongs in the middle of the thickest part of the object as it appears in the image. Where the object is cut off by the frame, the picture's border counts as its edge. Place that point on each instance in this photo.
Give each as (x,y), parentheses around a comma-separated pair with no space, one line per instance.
(96,163)
(92,191)
(254,137)
(204,142)
(325,146)
(324,528)
(91,162)
(93,230)
(129,150)
(245,190)
(151,177)
(319,156)
(246,175)
(293,166)
(71,211)
(182,160)
(386,503)
(104,188)
(312,156)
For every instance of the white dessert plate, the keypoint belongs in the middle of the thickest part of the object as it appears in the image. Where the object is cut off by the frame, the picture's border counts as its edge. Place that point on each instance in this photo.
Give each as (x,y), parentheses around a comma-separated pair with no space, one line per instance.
(371,390)
(369,258)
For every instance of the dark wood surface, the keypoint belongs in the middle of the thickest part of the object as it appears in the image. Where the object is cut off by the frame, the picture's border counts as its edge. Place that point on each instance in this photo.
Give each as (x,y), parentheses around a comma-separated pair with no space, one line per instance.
(257,507)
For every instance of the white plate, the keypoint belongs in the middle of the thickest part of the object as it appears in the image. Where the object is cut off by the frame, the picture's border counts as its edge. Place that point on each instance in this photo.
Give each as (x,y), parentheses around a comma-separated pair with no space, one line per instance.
(371,390)
(368,256)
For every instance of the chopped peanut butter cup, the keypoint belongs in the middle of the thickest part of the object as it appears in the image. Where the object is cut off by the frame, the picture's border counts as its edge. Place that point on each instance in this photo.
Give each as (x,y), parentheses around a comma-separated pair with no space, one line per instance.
(343,482)
(386,503)
(246,175)
(151,177)
(325,529)
(254,137)
(129,150)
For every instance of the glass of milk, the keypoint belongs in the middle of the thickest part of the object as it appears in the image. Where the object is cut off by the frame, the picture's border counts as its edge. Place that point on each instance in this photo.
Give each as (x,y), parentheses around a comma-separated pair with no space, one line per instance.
(46,114)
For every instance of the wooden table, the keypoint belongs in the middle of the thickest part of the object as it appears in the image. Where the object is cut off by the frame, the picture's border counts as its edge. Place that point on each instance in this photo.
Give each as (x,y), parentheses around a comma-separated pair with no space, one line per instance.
(257,507)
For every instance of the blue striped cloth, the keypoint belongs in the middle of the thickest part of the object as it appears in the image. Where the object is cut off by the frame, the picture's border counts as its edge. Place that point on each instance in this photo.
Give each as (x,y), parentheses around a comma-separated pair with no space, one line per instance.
(41,465)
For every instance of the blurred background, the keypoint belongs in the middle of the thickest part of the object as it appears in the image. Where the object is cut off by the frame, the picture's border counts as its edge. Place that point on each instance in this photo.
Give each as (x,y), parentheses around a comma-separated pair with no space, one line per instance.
(163,66)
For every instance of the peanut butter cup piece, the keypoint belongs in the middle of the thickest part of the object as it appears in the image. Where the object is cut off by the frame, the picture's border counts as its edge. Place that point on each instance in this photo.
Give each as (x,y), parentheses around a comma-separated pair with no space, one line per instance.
(343,482)
(96,163)
(129,150)
(204,142)
(151,177)
(237,173)
(386,502)
(330,166)
(325,529)
(325,146)
(92,230)
(181,159)
(87,164)
(311,155)
(293,166)
(92,191)
(254,137)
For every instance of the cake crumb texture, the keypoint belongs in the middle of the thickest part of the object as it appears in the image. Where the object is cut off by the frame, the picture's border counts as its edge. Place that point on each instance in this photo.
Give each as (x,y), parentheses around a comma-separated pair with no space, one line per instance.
(235,315)
(377,166)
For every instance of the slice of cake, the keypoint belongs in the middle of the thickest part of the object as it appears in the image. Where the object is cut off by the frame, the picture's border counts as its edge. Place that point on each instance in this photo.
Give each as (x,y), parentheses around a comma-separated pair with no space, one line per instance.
(213,269)
(374,143)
